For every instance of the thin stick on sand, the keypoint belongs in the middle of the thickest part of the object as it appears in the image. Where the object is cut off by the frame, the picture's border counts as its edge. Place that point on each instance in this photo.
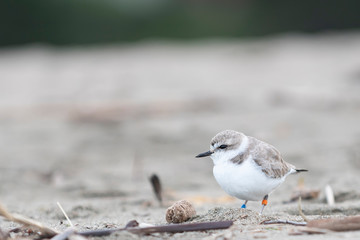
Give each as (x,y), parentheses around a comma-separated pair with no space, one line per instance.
(288,221)
(301,212)
(66,216)
(26,221)
(172,228)
(65,235)
(283,222)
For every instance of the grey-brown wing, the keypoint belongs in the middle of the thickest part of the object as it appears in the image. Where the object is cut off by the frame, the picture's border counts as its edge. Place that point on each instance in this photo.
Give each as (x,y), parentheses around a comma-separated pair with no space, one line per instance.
(269,159)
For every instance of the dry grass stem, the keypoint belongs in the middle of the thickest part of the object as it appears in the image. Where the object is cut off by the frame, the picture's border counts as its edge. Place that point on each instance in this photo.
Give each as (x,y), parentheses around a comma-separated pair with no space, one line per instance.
(27,222)
(66,216)
(301,212)
(283,222)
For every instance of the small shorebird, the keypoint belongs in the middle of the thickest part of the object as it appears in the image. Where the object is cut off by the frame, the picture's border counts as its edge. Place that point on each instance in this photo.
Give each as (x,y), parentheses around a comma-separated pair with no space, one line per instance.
(247,168)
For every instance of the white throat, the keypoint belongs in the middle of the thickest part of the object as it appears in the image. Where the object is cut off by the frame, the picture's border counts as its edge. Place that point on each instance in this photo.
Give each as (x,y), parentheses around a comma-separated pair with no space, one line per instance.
(223,157)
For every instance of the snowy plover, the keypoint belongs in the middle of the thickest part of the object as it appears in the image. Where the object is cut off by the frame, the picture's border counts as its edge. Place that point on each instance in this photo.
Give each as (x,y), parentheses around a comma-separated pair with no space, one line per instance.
(246,167)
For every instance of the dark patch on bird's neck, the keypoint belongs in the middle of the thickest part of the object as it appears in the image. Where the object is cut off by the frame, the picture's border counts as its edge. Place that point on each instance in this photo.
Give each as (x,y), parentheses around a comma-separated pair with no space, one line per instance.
(240,158)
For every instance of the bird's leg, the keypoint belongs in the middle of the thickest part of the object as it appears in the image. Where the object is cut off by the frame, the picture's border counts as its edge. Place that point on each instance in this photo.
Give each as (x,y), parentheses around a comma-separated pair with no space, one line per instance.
(264,203)
(244,205)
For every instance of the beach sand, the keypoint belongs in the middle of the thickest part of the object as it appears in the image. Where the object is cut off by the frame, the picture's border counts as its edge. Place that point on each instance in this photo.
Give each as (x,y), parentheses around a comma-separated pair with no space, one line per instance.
(88,126)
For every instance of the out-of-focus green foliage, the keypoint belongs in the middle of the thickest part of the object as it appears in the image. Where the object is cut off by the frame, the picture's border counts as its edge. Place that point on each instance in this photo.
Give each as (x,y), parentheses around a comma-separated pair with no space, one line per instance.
(102,21)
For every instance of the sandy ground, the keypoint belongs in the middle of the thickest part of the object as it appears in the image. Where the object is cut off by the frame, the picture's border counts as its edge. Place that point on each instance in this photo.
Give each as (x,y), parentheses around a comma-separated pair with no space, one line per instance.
(88,126)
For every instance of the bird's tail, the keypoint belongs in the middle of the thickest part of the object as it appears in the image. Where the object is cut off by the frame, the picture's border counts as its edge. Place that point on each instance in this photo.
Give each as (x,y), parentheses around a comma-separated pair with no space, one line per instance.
(301,170)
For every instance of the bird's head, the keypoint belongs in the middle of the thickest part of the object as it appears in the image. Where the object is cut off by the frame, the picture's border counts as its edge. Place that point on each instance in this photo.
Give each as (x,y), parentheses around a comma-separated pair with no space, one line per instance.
(224,146)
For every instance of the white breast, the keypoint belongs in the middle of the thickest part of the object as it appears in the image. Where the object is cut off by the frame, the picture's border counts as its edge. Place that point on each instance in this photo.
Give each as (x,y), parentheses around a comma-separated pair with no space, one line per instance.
(245,181)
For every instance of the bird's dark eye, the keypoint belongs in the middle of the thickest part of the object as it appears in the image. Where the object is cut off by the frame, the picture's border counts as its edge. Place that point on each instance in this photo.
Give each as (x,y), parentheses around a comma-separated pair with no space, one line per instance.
(223,146)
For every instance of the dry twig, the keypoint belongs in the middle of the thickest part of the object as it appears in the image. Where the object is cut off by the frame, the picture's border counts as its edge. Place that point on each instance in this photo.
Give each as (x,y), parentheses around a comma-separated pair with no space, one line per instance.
(306,230)
(66,216)
(344,224)
(283,222)
(172,228)
(287,221)
(27,222)
(301,212)
(64,235)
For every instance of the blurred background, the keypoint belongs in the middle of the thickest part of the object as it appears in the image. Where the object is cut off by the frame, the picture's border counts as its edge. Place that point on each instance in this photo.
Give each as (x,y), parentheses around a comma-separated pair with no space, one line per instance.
(97,95)
(110,21)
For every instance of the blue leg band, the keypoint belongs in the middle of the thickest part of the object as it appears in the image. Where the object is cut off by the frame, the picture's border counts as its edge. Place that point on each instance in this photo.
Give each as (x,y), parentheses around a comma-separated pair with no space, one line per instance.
(243,206)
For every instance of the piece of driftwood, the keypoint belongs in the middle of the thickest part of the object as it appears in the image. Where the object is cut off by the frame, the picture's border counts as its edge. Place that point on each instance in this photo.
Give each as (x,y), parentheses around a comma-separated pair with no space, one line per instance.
(283,222)
(64,235)
(172,228)
(343,224)
(175,228)
(156,184)
(76,237)
(100,232)
(46,231)
(307,230)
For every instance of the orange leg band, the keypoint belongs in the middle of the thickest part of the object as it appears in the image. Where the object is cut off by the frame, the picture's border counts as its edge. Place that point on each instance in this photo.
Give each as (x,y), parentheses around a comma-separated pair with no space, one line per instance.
(264,202)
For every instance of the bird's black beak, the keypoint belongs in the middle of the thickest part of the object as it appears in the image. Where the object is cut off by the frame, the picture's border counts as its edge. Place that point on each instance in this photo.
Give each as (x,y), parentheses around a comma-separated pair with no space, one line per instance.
(205,154)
